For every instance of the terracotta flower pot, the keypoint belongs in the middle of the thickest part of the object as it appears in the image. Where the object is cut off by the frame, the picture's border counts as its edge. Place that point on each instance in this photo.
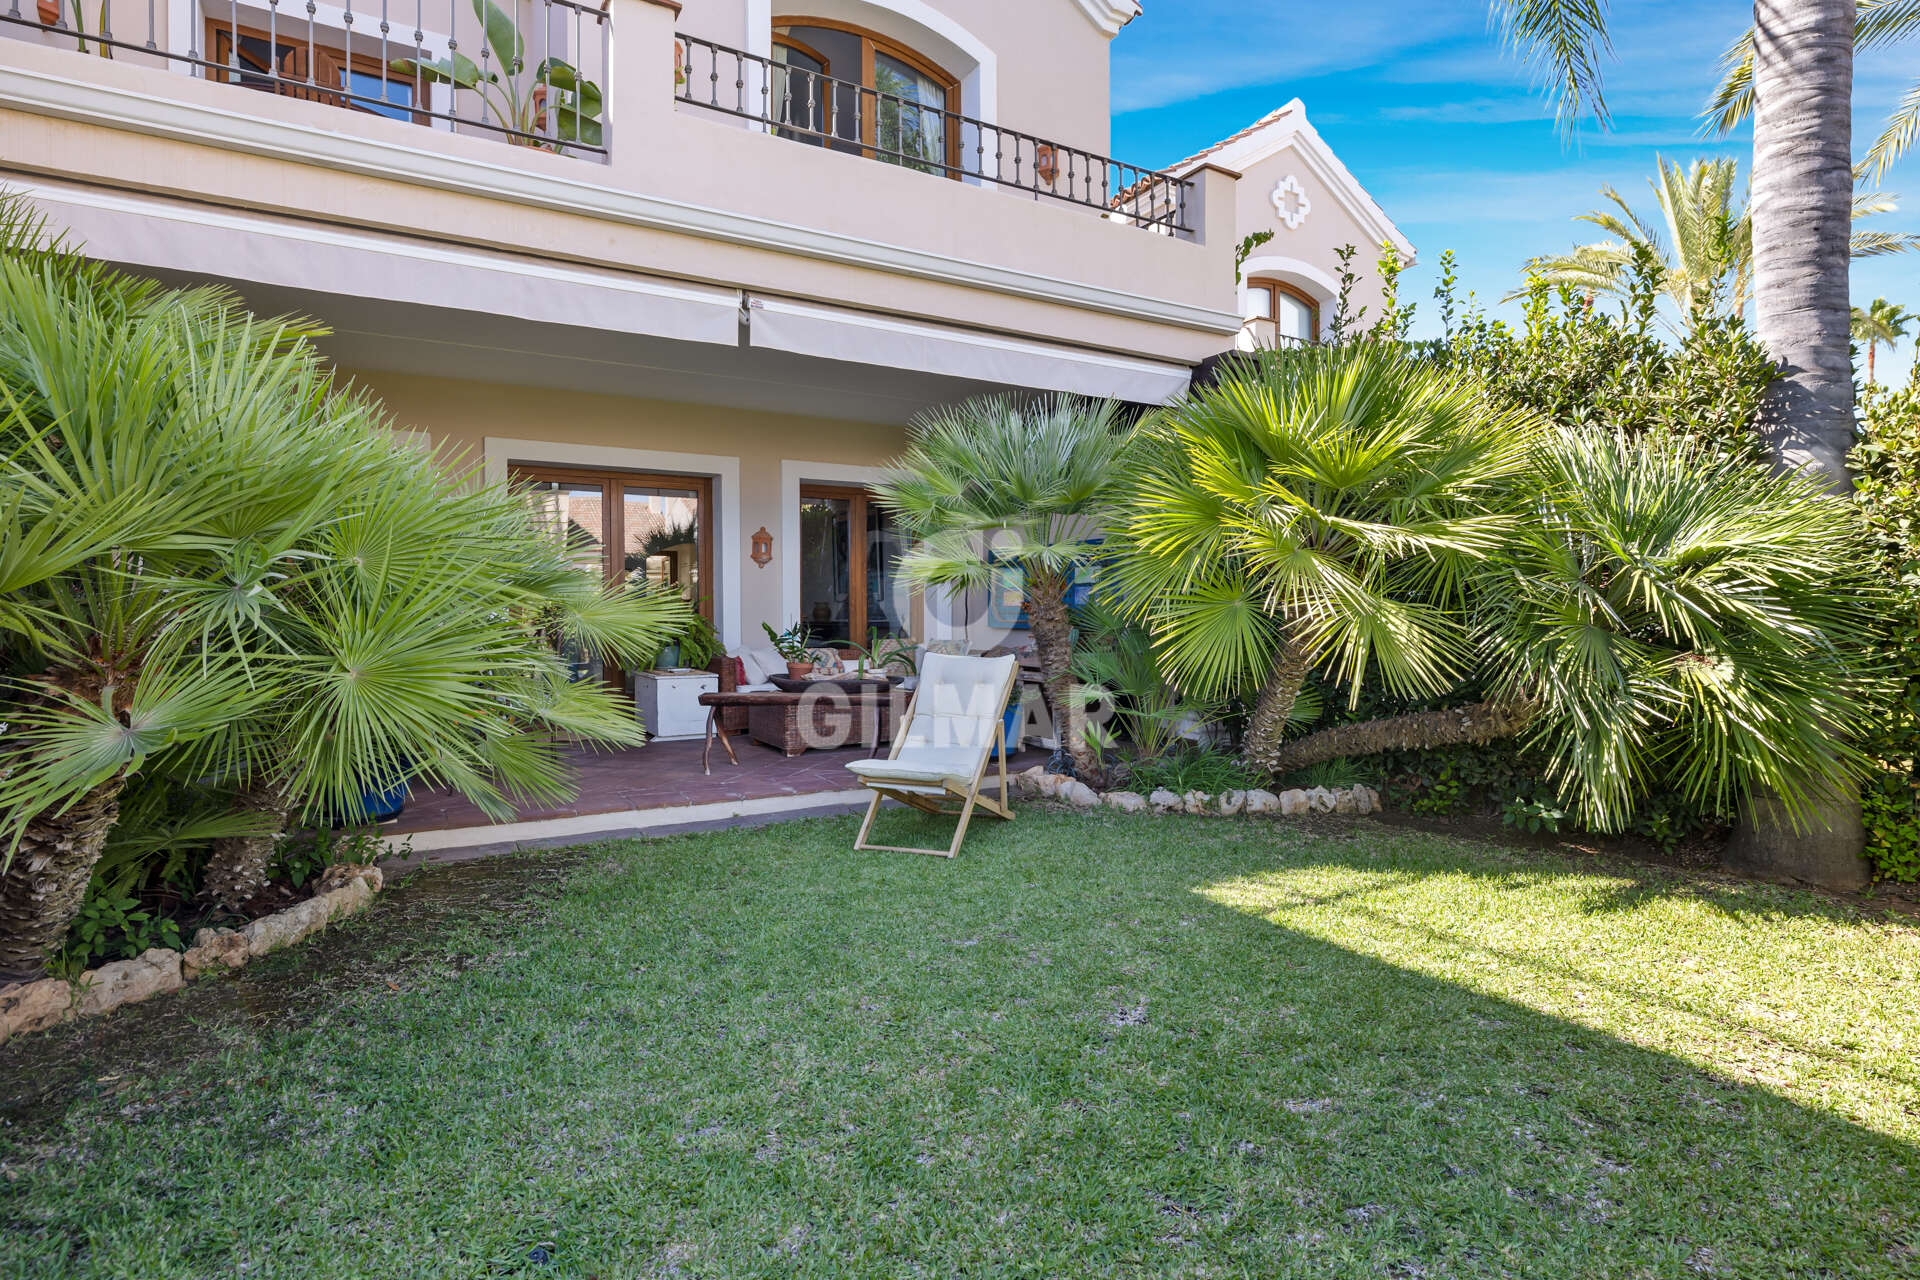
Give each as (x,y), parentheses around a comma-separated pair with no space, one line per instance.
(799,670)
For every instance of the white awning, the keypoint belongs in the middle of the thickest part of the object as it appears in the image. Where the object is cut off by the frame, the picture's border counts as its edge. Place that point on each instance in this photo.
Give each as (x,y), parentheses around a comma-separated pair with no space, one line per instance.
(835,333)
(166,235)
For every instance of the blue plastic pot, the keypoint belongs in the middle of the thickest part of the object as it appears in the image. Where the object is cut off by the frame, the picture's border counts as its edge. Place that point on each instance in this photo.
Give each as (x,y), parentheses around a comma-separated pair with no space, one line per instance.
(381,805)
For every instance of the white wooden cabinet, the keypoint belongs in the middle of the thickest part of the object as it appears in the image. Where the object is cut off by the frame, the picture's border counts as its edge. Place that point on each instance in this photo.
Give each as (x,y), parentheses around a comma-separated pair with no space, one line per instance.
(668,702)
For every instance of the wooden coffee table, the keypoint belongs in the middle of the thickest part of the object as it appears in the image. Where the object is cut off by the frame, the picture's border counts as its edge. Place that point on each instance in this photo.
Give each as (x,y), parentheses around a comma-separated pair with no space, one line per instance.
(786,721)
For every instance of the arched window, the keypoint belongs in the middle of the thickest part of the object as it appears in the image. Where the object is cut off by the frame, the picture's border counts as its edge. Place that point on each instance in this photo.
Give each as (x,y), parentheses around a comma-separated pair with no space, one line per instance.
(853,89)
(1294,313)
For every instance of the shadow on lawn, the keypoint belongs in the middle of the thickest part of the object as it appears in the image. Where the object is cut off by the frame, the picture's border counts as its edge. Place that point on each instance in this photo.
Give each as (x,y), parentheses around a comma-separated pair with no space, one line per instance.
(1662,1163)
(41,1074)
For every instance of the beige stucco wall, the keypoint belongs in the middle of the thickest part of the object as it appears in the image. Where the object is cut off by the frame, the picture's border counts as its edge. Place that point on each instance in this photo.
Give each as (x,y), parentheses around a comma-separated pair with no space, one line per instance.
(1306,255)
(462,417)
(1017,265)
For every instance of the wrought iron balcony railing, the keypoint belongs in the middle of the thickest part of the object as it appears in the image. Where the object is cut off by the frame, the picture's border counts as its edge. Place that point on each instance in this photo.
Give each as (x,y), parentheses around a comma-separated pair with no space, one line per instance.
(844,115)
(459,65)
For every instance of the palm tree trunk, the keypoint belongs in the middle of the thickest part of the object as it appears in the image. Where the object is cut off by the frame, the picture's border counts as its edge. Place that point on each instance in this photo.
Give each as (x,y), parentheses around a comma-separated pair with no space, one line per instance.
(1417,731)
(43,887)
(1802,232)
(1802,227)
(1872,347)
(1053,641)
(1274,708)
(238,869)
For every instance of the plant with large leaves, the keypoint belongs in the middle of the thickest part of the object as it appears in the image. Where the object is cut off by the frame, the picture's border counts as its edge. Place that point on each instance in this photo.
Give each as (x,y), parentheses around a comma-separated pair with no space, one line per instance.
(206,548)
(1030,481)
(556,102)
(1319,508)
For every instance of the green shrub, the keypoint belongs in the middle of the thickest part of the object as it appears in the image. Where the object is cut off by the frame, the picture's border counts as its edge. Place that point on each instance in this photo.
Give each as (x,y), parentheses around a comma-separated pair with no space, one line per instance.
(1185,769)
(1886,466)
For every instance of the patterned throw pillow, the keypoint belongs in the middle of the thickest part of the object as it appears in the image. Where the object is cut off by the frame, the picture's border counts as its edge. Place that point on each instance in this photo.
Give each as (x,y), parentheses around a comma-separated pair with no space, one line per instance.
(826,662)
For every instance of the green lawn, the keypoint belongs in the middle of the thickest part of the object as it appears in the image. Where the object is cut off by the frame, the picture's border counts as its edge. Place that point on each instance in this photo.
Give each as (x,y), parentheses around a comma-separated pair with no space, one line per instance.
(1089,1046)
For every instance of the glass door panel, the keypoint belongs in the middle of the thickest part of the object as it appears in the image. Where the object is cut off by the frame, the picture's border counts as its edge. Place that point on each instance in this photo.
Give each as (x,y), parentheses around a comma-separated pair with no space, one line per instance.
(575,514)
(826,567)
(888,600)
(662,539)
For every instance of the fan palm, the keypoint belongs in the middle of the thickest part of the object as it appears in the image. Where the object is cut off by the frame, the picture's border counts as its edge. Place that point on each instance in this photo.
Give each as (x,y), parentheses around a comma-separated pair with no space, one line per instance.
(1803,190)
(1881,324)
(1032,482)
(188,564)
(1318,508)
(1664,612)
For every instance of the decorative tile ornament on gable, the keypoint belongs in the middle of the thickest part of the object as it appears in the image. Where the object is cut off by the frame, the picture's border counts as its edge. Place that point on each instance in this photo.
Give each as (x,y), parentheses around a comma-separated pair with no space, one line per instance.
(1290,202)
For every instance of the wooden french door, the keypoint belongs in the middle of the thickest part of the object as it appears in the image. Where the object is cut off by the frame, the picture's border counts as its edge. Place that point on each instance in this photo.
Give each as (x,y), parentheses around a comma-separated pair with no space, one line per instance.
(847,562)
(632,527)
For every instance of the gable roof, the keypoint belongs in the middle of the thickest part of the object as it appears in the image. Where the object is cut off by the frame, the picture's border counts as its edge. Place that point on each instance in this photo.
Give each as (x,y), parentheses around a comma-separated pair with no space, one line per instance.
(1287,127)
(1110,15)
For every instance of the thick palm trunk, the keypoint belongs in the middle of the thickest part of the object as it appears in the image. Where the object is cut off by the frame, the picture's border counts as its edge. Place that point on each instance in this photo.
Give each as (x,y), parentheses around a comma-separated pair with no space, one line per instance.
(238,868)
(1802,228)
(1053,641)
(1417,731)
(42,888)
(1268,723)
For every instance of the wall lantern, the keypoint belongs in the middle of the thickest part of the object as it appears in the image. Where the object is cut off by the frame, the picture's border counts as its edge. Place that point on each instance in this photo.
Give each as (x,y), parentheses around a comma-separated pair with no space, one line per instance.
(762,547)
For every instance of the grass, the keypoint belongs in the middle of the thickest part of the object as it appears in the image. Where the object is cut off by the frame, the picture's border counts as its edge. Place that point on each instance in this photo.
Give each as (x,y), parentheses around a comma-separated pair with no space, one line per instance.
(1090,1046)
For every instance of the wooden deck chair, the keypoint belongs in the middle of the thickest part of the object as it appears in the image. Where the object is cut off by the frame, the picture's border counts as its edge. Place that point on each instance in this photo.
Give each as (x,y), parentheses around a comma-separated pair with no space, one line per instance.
(954,726)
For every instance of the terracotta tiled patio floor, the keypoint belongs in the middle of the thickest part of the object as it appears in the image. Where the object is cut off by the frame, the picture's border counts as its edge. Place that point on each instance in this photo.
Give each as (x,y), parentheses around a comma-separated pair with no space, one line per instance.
(662,775)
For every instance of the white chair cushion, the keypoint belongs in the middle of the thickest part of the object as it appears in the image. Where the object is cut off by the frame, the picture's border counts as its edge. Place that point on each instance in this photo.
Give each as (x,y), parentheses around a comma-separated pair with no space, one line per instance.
(764,686)
(923,766)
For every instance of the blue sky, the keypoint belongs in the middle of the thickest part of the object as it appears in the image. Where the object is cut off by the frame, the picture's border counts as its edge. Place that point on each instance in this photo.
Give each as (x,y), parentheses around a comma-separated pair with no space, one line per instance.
(1451,133)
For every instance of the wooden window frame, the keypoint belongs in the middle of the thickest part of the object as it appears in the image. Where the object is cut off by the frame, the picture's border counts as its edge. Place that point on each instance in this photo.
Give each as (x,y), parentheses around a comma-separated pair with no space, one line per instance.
(872,42)
(613,535)
(1294,291)
(858,501)
(366,64)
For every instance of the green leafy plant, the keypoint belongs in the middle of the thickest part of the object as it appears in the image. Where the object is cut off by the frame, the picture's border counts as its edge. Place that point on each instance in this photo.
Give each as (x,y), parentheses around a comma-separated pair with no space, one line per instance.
(886,652)
(1193,768)
(1005,485)
(1533,815)
(555,96)
(794,644)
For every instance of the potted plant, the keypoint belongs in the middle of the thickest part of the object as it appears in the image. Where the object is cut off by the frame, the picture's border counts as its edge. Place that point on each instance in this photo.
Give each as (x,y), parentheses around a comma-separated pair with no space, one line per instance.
(792,645)
(882,654)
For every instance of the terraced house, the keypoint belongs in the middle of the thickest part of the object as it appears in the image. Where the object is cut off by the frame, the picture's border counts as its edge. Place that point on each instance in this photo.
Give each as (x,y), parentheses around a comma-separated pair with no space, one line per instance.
(691,269)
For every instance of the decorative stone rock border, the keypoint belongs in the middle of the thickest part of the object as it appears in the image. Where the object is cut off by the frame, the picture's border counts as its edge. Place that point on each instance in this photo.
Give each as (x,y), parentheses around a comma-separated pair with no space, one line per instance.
(1038,783)
(342,891)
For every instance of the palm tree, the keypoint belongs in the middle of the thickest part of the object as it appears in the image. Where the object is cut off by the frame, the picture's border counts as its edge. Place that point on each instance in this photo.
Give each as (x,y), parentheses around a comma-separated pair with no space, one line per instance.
(1642,609)
(1709,267)
(190,569)
(1711,239)
(1801,104)
(1318,508)
(1882,324)
(1032,481)
(1876,23)
(1664,611)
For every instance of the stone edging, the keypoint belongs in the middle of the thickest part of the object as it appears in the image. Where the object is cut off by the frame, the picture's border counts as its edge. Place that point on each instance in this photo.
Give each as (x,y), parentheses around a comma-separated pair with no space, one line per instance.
(342,891)
(1038,783)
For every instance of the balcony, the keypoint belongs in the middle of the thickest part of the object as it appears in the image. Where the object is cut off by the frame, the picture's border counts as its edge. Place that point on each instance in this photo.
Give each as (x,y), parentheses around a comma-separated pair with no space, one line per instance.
(638,160)
(800,102)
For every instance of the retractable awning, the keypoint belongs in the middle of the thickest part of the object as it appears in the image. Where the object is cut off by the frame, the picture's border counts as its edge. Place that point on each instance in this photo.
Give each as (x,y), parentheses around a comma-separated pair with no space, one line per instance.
(168,235)
(858,337)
